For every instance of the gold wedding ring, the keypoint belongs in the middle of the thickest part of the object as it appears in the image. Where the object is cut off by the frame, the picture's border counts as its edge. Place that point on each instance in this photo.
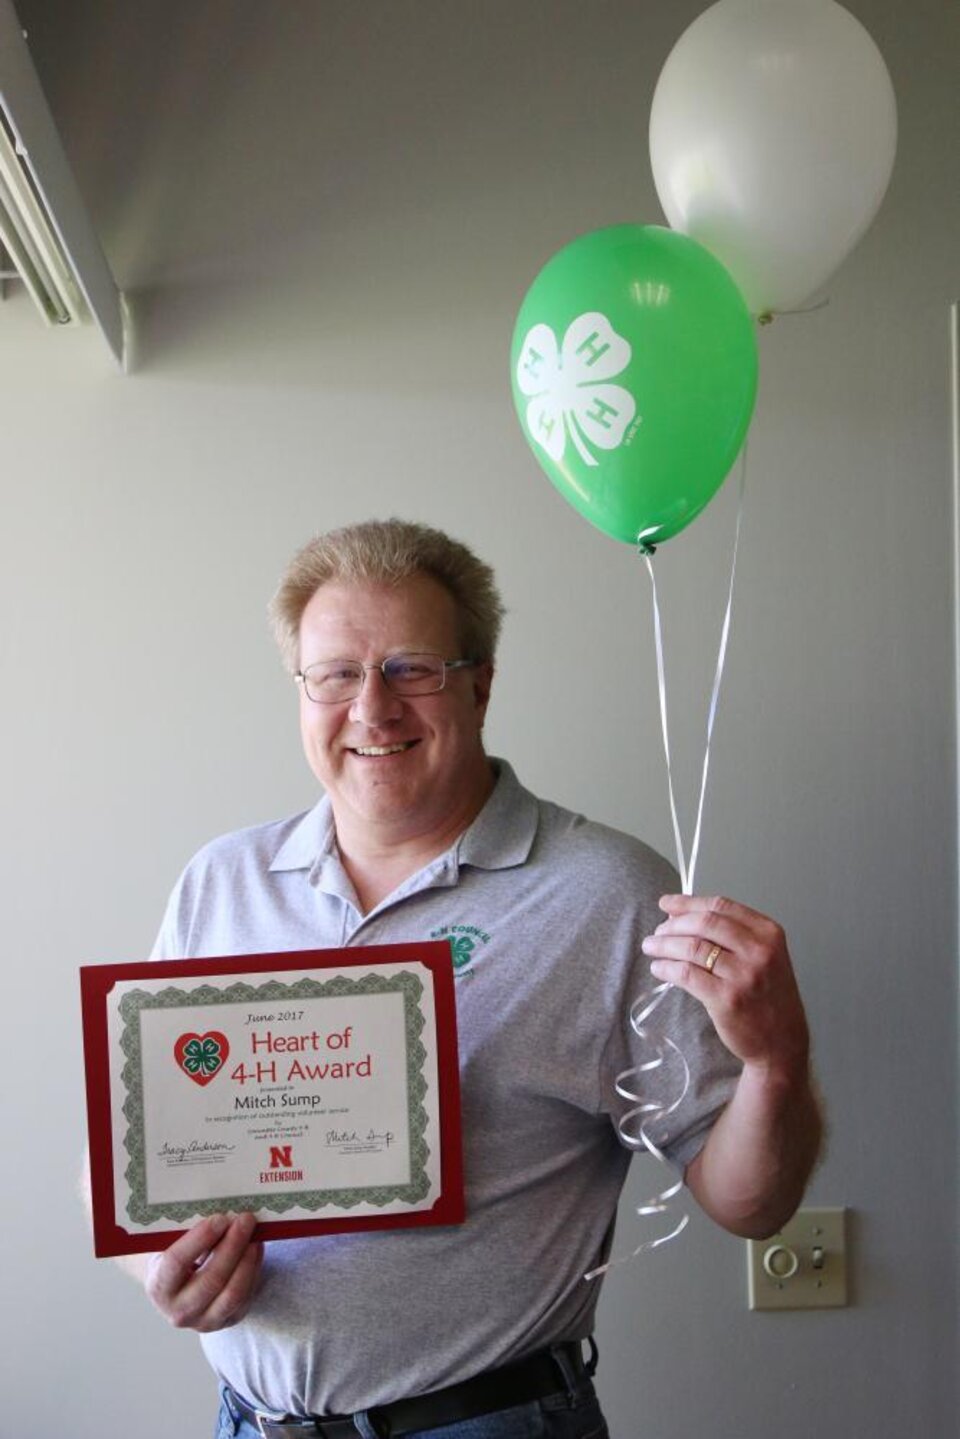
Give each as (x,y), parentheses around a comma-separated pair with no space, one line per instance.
(711,959)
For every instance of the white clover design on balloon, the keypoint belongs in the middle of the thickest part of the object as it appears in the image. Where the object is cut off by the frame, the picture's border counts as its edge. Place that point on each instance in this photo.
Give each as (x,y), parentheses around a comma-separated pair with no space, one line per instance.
(569,387)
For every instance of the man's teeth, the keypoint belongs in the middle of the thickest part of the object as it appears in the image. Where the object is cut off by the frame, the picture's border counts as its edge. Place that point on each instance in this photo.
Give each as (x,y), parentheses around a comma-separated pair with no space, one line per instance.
(378,749)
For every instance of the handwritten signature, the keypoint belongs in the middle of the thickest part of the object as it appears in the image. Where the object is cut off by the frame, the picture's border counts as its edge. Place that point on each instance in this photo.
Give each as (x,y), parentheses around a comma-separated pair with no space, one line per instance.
(344,1137)
(196,1146)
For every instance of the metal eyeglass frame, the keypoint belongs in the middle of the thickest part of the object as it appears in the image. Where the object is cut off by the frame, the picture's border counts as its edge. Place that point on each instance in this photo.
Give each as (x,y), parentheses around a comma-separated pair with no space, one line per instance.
(301,675)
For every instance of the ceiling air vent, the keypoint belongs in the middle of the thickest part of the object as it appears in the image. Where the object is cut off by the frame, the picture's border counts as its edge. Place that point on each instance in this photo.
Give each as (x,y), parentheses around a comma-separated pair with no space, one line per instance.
(45,230)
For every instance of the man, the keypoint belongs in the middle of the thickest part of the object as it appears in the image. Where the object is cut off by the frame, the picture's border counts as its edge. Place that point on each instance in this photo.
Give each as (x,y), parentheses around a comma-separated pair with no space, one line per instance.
(390,631)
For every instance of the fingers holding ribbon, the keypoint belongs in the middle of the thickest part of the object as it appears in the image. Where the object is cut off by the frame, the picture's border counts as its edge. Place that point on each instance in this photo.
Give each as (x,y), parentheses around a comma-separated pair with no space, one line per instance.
(735,961)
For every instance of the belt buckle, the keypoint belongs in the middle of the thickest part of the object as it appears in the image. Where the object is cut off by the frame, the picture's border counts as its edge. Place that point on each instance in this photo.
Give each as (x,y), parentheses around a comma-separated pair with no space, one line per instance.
(277,1426)
(269,1428)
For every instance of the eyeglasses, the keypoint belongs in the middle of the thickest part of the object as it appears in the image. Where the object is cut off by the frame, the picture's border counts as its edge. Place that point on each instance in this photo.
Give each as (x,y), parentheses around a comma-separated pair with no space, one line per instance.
(331,682)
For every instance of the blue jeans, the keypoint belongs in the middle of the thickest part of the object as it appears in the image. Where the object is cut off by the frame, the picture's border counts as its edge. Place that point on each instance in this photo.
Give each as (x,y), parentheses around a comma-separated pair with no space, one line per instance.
(557,1416)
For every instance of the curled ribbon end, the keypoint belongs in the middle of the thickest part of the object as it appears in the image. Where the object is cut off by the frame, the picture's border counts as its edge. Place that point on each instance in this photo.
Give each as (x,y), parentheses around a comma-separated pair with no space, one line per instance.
(633,1125)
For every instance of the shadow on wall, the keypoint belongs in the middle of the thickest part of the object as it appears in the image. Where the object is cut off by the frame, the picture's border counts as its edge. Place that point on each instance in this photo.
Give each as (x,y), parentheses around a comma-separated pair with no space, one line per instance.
(387,178)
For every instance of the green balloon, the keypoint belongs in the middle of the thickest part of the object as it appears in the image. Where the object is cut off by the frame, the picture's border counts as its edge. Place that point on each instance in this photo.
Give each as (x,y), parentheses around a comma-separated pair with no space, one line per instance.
(634,376)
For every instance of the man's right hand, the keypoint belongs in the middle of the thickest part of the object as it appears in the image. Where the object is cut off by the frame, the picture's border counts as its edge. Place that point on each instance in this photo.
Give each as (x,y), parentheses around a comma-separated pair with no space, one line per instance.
(207,1277)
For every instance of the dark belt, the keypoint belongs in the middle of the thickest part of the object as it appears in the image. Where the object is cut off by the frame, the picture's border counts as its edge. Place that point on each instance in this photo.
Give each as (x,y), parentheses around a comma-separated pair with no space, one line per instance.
(549,1372)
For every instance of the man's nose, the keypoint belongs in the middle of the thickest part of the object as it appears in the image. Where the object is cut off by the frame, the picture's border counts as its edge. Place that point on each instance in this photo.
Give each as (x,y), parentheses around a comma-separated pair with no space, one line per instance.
(376,703)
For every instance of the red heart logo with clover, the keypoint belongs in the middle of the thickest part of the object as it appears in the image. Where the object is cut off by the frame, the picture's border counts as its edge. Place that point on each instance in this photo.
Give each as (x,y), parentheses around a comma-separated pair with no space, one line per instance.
(202,1056)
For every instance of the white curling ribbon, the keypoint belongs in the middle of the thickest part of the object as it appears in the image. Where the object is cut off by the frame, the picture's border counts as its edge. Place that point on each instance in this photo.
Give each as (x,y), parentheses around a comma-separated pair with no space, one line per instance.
(640,1011)
(649,1000)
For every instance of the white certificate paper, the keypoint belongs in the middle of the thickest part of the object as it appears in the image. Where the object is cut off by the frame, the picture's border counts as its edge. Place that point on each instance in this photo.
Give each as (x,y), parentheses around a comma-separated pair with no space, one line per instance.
(318,1090)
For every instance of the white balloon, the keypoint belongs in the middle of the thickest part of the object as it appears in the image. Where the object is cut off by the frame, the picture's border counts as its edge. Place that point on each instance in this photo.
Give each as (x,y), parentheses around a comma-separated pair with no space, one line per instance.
(773,132)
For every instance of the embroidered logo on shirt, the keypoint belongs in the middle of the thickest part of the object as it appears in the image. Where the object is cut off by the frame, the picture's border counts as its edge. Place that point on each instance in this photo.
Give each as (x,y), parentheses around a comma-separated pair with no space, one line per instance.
(465,940)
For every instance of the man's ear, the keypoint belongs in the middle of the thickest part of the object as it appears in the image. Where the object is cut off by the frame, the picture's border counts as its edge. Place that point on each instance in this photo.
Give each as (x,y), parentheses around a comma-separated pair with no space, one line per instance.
(482,682)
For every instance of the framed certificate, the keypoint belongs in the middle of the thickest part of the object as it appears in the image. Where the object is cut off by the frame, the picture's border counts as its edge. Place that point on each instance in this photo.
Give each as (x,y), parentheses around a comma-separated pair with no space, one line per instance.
(319,1089)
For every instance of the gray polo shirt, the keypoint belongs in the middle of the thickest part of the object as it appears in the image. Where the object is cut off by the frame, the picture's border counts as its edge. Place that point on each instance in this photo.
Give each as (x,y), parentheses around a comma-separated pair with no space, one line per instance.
(546,912)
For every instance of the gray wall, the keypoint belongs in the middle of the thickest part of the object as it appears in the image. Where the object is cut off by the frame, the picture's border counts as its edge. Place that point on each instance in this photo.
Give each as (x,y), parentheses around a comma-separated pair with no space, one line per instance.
(327,215)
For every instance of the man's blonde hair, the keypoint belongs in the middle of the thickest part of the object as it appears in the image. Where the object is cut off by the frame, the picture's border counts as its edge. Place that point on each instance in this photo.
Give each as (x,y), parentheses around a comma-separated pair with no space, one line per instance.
(387,552)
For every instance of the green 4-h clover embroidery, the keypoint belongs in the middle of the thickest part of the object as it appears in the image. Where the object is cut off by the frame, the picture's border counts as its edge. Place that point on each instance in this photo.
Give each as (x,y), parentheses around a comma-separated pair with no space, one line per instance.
(202,1056)
(569,387)
(462,950)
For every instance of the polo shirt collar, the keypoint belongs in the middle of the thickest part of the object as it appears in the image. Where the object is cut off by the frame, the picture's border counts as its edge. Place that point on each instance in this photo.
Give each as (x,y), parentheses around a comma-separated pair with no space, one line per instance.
(313,838)
(503,832)
(500,837)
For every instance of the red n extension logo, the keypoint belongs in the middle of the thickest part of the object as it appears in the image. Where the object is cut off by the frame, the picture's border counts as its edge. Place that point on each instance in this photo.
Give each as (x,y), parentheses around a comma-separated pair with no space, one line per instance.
(282,1157)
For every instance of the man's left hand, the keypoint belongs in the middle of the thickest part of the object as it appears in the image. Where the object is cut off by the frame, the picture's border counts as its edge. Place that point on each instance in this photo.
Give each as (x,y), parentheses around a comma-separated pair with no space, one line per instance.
(735,961)
(750,1174)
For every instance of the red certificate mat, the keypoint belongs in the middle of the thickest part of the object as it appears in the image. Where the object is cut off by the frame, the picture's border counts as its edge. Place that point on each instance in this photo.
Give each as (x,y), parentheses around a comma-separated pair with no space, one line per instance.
(319,1089)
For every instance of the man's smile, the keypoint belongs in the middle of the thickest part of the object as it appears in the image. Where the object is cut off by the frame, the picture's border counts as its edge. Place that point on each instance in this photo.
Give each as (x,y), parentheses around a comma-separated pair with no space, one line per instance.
(376,751)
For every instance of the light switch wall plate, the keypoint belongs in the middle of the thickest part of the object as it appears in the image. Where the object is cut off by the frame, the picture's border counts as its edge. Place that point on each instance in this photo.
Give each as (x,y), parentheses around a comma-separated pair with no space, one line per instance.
(803,1266)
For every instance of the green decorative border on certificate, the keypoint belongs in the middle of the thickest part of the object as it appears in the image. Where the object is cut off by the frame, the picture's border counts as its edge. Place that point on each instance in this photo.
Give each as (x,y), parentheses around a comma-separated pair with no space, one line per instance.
(134,1001)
